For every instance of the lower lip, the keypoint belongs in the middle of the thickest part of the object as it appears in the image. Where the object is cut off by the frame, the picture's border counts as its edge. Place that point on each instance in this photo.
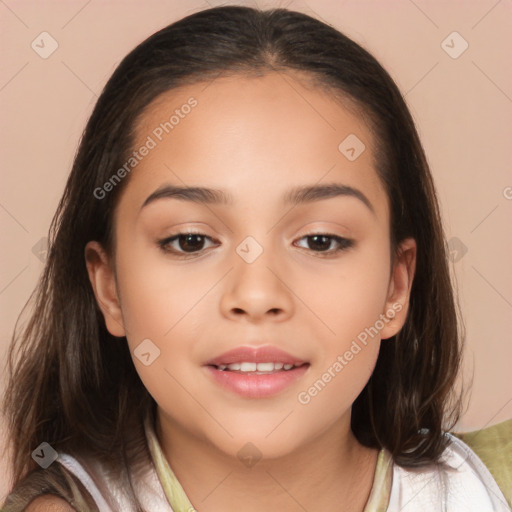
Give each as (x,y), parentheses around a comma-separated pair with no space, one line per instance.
(254,385)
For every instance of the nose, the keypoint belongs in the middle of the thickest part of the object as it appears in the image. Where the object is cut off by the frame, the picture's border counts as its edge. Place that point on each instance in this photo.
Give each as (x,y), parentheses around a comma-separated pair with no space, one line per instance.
(257,291)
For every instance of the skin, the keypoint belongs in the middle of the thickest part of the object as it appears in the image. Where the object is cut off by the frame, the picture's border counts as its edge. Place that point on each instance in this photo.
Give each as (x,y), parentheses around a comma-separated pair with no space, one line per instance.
(255,137)
(49,503)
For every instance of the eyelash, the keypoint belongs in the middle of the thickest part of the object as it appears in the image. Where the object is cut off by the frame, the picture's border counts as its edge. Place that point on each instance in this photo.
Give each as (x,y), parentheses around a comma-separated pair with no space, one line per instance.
(343,244)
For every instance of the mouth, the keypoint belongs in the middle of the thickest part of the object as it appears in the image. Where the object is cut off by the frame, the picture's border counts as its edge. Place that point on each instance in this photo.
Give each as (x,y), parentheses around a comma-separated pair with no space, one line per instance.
(263,368)
(256,380)
(256,372)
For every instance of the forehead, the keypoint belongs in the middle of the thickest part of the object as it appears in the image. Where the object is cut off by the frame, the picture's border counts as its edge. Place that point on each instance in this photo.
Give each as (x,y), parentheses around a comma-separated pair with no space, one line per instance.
(252,136)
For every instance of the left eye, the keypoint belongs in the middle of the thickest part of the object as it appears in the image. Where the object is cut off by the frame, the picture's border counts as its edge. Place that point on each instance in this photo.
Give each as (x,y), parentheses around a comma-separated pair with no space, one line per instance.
(323,241)
(190,243)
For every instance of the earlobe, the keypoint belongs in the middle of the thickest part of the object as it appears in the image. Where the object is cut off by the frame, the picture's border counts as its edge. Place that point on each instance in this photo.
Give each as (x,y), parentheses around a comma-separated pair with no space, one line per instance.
(101,276)
(397,303)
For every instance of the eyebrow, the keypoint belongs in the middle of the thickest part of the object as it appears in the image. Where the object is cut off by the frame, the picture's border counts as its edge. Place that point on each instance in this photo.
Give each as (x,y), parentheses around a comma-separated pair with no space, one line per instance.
(295,196)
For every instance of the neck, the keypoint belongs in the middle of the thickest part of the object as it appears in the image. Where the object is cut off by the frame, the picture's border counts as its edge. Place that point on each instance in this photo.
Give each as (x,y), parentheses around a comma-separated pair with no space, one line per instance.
(332,472)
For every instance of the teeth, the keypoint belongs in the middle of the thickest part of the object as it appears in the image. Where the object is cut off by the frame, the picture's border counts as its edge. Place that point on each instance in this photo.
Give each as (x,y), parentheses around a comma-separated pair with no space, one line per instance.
(253,367)
(265,367)
(247,367)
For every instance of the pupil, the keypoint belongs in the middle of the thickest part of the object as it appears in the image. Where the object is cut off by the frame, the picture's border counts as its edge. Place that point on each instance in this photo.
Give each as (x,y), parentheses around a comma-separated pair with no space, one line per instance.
(191,238)
(326,240)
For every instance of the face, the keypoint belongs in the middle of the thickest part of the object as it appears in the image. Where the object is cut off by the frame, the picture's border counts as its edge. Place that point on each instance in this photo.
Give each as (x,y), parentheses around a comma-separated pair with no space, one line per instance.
(263,265)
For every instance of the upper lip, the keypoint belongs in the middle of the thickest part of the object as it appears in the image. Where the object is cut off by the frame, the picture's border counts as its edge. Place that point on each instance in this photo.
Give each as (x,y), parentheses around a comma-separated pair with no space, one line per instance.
(262,354)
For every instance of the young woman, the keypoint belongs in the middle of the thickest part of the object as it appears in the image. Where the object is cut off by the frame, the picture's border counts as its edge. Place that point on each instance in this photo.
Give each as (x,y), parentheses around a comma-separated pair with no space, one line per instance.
(247,302)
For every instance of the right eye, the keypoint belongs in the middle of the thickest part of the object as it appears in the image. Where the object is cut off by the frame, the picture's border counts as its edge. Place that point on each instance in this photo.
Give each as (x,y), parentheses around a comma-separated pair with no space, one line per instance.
(183,243)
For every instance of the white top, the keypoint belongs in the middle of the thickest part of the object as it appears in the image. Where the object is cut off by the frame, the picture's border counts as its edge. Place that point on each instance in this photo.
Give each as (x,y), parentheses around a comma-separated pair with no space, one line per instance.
(465,486)
(149,489)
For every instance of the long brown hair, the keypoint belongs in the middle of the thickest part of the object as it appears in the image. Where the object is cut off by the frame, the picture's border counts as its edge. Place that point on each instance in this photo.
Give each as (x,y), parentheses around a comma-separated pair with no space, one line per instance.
(73,385)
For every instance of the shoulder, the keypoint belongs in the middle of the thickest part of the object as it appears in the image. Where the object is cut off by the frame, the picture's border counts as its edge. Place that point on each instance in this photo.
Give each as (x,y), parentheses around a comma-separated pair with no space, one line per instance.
(49,503)
(493,446)
(459,480)
(53,489)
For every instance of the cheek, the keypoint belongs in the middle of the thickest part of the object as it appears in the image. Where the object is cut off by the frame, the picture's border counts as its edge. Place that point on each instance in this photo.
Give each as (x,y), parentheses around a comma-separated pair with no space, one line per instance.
(332,390)
(157,294)
(168,304)
(348,354)
(351,303)
(351,294)
(159,303)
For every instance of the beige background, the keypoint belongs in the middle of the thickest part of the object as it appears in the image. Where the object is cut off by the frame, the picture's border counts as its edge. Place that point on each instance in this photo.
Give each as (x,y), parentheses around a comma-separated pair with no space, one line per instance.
(462,107)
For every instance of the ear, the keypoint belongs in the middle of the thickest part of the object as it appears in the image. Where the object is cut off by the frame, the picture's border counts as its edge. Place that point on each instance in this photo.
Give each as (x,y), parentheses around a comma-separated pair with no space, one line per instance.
(102,277)
(397,302)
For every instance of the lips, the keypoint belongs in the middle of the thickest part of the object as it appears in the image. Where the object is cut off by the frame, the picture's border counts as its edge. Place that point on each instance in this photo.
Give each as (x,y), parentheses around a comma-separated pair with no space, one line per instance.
(256,372)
